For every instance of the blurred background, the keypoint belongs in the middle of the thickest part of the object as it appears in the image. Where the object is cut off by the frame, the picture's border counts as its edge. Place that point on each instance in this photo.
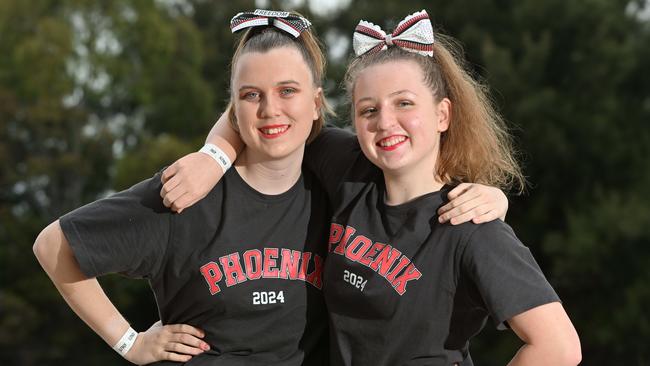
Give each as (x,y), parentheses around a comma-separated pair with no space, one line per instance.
(98,95)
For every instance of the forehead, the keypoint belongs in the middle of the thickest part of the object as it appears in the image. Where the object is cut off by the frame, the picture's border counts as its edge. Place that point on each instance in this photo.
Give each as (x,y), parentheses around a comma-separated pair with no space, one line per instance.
(277,64)
(399,74)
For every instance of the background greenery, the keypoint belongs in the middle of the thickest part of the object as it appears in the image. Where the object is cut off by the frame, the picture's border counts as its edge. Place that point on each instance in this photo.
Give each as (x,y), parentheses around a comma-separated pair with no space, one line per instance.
(95,96)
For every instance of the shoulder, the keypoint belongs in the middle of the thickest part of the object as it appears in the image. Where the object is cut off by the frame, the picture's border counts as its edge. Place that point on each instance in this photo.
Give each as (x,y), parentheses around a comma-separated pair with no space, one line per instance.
(495,235)
(494,248)
(143,196)
(478,244)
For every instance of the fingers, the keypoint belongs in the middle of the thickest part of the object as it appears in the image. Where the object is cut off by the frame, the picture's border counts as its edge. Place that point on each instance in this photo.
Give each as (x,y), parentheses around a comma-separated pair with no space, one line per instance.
(171,200)
(193,175)
(169,172)
(469,199)
(188,336)
(172,196)
(175,342)
(179,342)
(165,355)
(486,217)
(169,186)
(458,190)
(185,328)
(183,202)
(186,344)
(475,202)
(463,214)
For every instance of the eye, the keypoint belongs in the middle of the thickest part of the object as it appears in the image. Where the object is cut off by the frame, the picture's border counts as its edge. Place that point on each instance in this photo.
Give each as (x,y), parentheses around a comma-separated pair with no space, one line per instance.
(285,92)
(405,103)
(251,95)
(367,111)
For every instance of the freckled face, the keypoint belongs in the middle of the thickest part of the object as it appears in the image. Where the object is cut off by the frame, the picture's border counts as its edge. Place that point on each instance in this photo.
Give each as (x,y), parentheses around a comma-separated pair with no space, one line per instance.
(275,102)
(397,118)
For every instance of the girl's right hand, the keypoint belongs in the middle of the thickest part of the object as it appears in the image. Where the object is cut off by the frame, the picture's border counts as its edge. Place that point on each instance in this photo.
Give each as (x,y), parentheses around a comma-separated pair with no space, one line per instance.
(173,342)
(188,180)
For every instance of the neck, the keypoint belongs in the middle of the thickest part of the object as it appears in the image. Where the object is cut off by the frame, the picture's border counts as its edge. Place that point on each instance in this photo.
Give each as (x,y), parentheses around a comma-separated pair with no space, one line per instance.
(402,189)
(410,183)
(269,176)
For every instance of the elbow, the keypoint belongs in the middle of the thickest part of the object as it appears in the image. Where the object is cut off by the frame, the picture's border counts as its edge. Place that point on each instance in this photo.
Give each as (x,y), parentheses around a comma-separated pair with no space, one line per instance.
(40,246)
(568,350)
(573,353)
(570,357)
(43,247)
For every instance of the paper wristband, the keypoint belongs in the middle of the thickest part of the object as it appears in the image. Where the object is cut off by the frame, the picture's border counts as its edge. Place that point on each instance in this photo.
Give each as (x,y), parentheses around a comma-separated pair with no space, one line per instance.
(218,155)
(126,342)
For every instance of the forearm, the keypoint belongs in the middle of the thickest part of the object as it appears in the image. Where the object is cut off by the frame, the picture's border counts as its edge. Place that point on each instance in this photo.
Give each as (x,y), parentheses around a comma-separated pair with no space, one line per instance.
(225,137)
(84,295)
(191,177)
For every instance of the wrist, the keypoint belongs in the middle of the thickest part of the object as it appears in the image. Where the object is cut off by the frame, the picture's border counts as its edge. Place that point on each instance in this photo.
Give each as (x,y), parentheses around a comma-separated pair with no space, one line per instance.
(124,344)
(218,155)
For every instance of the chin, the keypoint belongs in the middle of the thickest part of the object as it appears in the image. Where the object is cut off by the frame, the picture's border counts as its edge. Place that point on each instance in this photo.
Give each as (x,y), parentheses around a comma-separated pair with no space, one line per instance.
(282,153)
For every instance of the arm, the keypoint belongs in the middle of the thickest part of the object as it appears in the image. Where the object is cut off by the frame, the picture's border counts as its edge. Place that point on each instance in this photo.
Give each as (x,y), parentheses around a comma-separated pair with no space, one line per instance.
(510,286)
(191,177)
(549,335)
(87,299)
(476,202)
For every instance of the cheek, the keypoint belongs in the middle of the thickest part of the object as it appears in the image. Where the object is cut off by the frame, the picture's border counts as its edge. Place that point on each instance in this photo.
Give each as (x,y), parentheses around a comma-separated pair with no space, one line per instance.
(302,109)
(244,114)
(366,139)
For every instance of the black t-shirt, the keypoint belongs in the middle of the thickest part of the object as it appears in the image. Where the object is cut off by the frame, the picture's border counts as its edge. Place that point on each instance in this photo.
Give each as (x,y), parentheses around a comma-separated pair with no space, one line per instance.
(243,266)
(402,289)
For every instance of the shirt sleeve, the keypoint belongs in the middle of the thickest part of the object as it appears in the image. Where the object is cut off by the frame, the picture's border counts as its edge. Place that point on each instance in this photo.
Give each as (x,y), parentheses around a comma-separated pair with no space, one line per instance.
(126,233)
(504,272)
(331,155)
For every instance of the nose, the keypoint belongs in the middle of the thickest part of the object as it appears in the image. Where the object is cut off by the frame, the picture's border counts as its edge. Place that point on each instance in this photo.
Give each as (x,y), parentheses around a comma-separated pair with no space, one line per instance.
(268,107)
(385,119)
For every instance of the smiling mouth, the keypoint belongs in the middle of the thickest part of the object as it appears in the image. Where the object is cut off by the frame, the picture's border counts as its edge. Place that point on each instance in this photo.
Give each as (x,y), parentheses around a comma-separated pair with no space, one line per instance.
(271,132)
(391,143)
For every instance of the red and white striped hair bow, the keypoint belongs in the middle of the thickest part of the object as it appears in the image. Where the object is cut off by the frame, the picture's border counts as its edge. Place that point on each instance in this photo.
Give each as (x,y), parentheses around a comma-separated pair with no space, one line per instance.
(413,34)
(284,20)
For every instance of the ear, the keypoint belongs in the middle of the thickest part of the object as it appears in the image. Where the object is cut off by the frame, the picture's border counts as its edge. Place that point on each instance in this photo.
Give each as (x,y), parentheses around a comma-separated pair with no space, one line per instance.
(318,102)
(444,115)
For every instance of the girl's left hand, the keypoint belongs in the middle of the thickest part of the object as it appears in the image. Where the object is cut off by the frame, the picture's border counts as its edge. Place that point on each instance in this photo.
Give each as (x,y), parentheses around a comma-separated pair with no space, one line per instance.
(476,202)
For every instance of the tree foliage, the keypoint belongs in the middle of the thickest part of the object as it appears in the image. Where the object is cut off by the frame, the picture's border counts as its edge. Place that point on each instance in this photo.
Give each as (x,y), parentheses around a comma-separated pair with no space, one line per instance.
(95,96)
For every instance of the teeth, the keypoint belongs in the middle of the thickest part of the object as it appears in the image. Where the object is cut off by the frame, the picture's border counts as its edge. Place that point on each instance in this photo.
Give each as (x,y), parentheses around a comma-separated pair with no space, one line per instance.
(274,131)
(391,141)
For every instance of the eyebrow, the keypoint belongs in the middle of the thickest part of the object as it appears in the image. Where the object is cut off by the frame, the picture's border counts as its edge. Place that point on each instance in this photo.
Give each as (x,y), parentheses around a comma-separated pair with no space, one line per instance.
(390,95)
(279,83)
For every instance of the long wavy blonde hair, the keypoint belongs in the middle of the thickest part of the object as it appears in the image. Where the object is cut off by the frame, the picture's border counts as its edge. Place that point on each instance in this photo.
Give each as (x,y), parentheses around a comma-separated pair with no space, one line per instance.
(477,146)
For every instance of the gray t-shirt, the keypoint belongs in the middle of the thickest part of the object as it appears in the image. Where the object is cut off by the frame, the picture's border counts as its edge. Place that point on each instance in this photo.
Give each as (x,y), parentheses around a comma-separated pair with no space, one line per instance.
(243,266)
(402,289)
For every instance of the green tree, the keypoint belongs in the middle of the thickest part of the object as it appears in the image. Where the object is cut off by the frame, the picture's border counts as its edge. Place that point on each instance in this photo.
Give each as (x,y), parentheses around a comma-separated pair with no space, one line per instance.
(95,96)
(82,86)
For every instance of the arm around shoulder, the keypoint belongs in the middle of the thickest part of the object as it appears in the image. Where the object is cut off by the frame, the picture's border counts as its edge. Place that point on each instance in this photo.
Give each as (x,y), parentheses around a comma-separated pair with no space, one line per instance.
(190,178)
(549,335)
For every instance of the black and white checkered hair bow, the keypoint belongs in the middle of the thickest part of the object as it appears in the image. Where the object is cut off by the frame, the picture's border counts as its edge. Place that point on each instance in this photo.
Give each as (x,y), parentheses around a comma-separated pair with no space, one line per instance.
(413,34)
(283,20)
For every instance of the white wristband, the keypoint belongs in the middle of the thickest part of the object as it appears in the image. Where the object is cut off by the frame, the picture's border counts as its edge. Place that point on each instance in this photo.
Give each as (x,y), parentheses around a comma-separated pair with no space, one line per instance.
(126,342)
(218,155)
